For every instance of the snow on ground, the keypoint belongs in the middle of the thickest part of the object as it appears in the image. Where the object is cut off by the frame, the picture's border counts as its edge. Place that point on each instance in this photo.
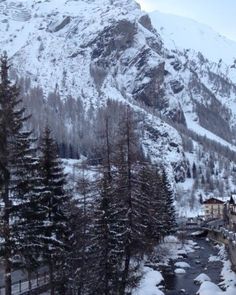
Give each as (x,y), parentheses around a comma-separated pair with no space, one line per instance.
(76,170)
(194,126)
(149,283)
(228,276)
(184,190)
(170,249)
(173,249)
(209,288)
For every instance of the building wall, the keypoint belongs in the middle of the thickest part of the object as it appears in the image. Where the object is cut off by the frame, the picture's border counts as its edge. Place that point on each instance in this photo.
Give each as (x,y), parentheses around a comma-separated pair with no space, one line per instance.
(231,216)
(232,221)
(214,210)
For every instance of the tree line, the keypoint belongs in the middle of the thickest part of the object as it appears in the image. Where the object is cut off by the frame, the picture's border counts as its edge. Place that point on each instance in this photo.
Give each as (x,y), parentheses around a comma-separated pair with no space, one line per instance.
(92,242)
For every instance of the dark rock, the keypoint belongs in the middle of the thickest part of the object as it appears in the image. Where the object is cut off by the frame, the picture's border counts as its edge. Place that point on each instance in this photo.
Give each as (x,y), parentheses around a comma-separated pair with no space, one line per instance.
(176,86)
(114,39)
(173,144)
(98,71)
(177,116)
(176,65)
(152,93)
(214,121)
(145,21)
(61,25)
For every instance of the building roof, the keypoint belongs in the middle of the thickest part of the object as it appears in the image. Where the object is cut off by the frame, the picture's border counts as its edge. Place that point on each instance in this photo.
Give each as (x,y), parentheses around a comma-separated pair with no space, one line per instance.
(213,201)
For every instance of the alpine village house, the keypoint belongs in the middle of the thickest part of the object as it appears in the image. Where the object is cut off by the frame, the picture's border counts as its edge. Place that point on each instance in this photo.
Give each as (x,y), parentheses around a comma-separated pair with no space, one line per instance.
(225,210)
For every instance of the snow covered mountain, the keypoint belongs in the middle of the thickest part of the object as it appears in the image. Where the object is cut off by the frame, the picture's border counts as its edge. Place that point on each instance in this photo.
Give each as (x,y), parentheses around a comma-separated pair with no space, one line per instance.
(92,50)
(201,38)
(95,50)
(199,53)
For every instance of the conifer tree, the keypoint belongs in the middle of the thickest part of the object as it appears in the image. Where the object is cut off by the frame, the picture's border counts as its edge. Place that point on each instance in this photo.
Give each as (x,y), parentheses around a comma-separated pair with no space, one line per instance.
(108,233)
(81,227)
(132,201)
(152,185)
(168,205)
(27,211)
(15,161)
(55,203)
(104,243)
(194,170)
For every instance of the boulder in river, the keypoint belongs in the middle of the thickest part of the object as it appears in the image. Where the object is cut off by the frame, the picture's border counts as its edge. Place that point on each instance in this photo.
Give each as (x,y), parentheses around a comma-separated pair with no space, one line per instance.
(180,271)
(182,264)
(209,288)
(201,279)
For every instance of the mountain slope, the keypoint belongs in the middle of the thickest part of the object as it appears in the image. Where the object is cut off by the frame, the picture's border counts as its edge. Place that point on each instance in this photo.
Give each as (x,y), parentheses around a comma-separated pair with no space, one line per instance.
(204,72)
(90,50)
(200,38)
(71,57)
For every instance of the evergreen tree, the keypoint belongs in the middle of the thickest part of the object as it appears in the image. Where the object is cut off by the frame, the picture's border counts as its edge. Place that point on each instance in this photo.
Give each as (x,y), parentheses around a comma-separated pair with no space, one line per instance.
(55,203)
(169,220)
(27,211)
(106,247)
(188,173)
(108,233)
(132,201)
(194,171)
(16,161)
(80,240)
(156,223)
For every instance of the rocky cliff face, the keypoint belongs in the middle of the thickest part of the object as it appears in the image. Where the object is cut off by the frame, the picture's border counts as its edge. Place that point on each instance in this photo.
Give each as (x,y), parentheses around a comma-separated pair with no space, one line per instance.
(96,50)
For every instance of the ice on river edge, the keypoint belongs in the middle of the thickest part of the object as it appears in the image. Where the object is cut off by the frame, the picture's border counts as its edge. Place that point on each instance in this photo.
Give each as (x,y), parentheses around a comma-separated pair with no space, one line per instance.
(228,277)
(173,249)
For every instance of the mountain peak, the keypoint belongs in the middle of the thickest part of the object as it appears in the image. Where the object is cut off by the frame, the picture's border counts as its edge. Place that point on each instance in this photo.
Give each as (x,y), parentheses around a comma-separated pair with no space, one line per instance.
(181,33)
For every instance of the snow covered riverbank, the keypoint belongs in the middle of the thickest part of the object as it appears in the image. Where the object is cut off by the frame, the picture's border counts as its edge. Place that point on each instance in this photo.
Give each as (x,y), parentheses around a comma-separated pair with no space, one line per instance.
(186,262)
(227,275)
(171,249)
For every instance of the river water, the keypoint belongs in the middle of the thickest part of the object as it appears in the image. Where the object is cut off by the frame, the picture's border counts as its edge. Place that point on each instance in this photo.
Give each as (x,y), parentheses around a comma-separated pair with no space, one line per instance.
(176,284)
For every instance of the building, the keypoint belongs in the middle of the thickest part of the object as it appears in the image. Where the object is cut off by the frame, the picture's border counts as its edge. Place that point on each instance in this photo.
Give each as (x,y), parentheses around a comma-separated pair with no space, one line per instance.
(213,208)
(231,212)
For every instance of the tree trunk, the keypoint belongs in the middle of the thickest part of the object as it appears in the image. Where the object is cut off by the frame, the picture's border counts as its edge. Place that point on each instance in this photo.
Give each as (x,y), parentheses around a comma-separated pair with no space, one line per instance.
(7,262)
(108,151)
(125,274)
(30,279)
(51,277)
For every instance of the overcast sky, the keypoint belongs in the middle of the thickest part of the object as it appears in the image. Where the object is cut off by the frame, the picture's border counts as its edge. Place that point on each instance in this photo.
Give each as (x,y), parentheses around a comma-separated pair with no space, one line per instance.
(219,14)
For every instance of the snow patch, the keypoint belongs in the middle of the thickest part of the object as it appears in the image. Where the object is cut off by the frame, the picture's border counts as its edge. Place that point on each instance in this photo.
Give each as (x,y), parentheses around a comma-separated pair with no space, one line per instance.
(149,283)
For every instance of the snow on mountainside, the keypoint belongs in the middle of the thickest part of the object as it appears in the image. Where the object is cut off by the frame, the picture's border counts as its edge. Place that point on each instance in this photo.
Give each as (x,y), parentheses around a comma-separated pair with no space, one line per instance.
(95,50)
(57,36)
(201,38)
(200,56)
(92,50)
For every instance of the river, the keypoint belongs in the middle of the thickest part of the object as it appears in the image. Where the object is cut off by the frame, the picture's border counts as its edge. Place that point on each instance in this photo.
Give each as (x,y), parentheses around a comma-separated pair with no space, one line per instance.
(199,263)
